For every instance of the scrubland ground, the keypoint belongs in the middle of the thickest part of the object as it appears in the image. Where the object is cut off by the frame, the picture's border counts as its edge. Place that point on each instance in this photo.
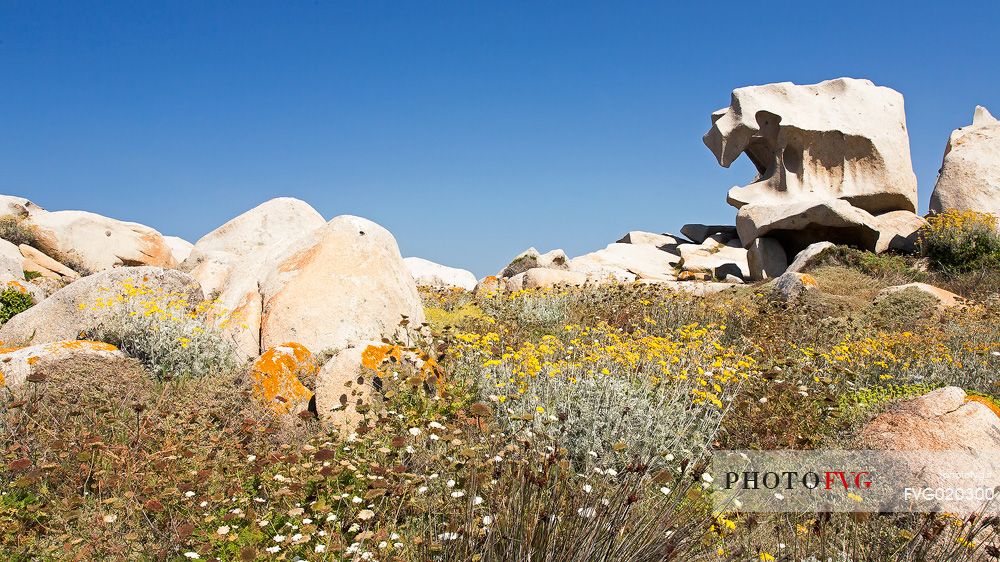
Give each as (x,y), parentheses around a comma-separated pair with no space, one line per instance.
(540,425)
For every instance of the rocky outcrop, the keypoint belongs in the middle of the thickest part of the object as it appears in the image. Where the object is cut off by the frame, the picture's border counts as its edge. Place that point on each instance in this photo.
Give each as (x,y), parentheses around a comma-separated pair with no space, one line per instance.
(180,248)
(766,259)
(797,225)
(802,258)
(945,420)
(969,179)
(698,233)
(35,260)
(11,262)
(541,278)
(838,139)
(18,363)
(833,163)
(665,242)
(946,299)
(278,374)
(345,388)
(92,242)
(715,258)
(342,283)
(626,263)
(436,276)
(530,259)
(233,260)
(69,312)
(789,286)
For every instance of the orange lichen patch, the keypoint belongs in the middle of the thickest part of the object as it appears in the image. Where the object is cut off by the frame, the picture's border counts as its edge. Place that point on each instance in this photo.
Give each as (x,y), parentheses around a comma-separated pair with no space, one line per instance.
(34,359)
(86,345)
(10,349)
(808,280)
(985,402)
(3,380)
(16,285)
(374,355)
(276,376)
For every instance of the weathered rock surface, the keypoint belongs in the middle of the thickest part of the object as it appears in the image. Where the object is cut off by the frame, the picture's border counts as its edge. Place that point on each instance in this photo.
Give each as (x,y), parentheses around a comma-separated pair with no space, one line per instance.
(665,242)
(233,260)
(35,260)
(970,174)
(530,259)
(797,225)
(17,364)
(626,263)
(542,278)
(344,282)
(698,233)
(789,286)
(946,299)
(941,420)
(802,258)
(268,225)
(766,259)
(278,374)
(898,230)
(345,389)
(838,139)
(96,243)
(11,262)
(60,317)
(489,284)
(944,420)
(717,260)
(180,248)
(429,274)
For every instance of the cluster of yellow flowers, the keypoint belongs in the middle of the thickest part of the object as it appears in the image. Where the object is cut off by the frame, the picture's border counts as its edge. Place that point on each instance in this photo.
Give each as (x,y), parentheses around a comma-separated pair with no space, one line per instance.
(692,352)
(953,219)
(887,352)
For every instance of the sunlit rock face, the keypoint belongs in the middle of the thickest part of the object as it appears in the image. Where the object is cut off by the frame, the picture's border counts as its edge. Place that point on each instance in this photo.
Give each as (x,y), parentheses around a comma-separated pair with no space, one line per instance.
(970,174)
(838,139)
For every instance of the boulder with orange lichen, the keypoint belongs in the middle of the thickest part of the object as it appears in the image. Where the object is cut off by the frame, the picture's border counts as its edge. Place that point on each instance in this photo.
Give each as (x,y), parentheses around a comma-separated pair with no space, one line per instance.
(278,376)
(340,284)
(19,363)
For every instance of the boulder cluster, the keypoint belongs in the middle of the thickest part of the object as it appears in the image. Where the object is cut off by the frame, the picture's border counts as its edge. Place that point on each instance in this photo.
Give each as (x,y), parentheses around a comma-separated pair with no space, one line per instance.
(833,167)
(833,164)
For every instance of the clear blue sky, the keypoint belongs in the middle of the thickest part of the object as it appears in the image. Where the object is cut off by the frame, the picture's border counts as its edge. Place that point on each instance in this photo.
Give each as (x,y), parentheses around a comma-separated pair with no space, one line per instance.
(470,129)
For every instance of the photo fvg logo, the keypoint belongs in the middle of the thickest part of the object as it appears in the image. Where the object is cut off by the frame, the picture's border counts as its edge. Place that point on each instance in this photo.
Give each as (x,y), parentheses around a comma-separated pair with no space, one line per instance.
(848,480)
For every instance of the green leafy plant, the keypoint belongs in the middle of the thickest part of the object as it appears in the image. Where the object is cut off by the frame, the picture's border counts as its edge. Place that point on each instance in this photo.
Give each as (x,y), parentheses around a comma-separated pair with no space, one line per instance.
(13,302)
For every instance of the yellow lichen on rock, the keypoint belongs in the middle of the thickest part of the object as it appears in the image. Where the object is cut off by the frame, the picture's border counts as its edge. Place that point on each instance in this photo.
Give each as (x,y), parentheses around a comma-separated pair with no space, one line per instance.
(277,377)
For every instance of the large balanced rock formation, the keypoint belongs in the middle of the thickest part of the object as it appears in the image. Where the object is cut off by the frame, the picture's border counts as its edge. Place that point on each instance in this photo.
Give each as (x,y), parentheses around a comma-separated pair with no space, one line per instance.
(70,311)
(531,258)
(436,276)
(833,162)
(342,283)
(839,139)
(970,175)
(233,260)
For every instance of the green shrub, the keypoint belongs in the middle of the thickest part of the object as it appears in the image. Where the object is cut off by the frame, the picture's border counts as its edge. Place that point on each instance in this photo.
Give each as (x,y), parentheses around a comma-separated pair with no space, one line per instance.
(13,302)
(29,275)
(14,230)
(961,241)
